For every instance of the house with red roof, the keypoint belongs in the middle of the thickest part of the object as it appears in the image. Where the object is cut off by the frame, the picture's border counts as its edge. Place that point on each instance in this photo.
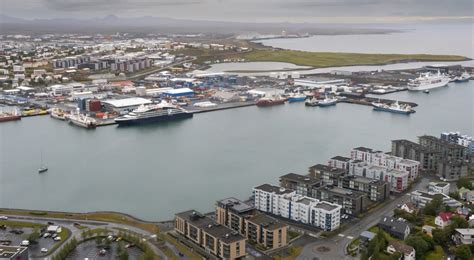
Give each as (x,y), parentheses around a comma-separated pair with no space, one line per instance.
(443,219)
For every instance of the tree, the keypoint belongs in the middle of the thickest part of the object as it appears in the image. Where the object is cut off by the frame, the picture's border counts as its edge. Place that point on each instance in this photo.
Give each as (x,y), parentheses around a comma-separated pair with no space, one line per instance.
(34,236)
(459,222)
(463,252)
(441,236)
(435,206)
(419,244)
(463,182)
(454,195)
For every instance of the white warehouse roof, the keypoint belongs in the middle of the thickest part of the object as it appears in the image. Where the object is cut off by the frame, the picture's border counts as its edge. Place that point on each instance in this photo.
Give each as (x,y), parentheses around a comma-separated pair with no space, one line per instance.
(179,91)
(127,102)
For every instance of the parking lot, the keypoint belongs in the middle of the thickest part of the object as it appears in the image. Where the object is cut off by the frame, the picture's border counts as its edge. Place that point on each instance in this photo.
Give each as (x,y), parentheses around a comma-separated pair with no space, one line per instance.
(15,236)
(91,250)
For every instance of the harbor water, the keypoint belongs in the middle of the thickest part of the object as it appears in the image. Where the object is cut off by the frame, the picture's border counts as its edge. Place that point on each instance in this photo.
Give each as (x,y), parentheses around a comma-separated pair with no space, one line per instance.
(156,170)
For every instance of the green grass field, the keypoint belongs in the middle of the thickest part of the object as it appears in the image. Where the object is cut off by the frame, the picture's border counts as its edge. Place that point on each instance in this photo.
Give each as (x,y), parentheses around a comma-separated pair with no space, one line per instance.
(335,59)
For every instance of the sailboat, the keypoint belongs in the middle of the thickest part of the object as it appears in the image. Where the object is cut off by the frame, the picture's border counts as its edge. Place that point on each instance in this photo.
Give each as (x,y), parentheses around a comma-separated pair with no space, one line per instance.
(43,167)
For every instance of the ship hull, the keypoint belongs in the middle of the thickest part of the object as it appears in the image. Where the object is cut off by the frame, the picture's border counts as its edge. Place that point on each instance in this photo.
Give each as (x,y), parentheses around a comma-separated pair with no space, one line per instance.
(326,104)
(296,99)
(270,103)
(150,120)
(430,86)
(59,117)
(393,110)
(81,124)
(10,118)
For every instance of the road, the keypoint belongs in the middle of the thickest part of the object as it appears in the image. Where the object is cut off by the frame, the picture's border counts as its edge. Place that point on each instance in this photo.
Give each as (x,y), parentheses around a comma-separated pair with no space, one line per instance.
(75,232)
(335,247)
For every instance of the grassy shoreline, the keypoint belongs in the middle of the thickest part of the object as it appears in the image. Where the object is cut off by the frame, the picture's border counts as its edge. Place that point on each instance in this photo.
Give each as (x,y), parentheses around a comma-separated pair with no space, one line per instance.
(338,59)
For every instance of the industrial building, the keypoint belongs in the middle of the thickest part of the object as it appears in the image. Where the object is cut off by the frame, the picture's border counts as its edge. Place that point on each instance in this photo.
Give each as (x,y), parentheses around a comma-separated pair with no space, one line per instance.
(125,105)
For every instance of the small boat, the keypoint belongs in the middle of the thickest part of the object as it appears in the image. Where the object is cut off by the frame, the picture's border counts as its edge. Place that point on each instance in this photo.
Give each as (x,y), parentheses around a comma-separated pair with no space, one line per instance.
(327,101)
(298,97)
(6,116)
(427,91)
(312,102)
(42,168)
(394,108)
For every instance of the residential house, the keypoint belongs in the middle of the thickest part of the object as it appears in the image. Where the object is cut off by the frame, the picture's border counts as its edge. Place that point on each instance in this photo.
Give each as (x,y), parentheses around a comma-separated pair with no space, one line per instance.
(408,252)
(464,236)
(395,227)
(409,207)
(443,219)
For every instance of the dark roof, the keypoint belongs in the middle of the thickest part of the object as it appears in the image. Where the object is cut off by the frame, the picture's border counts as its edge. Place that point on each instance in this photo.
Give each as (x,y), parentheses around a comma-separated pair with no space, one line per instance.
(299,178)
(327,206)
(235,205)
(341,158)
(394,225)
(266,222)
(363,149)
(441,141)
(275,189)
(325,168)
(223,233)
(195,218)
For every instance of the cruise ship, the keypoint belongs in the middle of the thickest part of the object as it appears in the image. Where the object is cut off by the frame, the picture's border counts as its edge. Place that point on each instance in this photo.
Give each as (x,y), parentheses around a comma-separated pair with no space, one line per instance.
(428,81)
(394,108)
(153,113)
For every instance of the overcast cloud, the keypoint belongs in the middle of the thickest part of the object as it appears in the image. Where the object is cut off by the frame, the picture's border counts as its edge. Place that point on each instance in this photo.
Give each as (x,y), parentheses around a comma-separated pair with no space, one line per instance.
(245,10)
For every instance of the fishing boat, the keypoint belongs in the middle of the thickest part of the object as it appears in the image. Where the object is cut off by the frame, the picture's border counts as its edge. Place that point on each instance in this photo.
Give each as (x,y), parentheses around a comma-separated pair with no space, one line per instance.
(312,102)
(327,101)
(81,120)
(7,116)
(427,91)
(298,97)
(58,114)
(270,101)
(465,77)
(394,108)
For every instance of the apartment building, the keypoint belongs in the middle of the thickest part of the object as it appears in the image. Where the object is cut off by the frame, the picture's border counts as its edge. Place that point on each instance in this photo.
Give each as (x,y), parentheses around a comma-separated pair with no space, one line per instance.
(397,179)
(329,175)
(266,231)
(339,162)
(464,236)
(351,202)
(240,216)
(216,239)
(427,157)
(421,198)
(375,190)
(296,207)
(438,187)
(299,183)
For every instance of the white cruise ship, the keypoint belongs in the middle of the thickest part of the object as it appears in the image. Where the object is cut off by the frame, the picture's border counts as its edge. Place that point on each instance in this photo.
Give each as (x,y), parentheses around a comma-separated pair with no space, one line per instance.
(428,81)
(153,113)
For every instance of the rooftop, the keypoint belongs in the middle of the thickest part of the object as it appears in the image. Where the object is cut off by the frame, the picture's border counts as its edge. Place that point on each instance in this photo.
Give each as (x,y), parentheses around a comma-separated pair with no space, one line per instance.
(127,102)
(363,149)
(299,178)
(235,205)
(341,158)
(274,189)
(325,168)
(195,218)
(401,247)
(327,206)
(465,231)
(223,233)
(266,221)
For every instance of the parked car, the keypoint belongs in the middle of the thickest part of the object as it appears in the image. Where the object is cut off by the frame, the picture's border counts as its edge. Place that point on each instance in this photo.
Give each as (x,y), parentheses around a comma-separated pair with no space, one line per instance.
(102,252)
(58,238)
(25,243)
(44,250)
(3,218)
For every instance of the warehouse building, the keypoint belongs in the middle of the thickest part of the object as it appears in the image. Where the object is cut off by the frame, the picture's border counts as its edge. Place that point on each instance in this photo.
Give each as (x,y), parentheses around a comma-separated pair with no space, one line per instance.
(179,92)
(125,105)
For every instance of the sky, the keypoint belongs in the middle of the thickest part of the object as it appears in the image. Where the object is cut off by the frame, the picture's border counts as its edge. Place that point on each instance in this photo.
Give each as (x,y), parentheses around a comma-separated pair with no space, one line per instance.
(333,11)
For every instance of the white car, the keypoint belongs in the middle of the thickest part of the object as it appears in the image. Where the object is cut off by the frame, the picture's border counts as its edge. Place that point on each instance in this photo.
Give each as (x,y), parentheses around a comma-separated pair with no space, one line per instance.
(44,250)
(25,243)
(3,218)
(58,238)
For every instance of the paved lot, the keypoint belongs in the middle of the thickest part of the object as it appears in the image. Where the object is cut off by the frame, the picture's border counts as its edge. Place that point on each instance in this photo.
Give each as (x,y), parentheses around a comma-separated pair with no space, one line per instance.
(90,250)
(16,239)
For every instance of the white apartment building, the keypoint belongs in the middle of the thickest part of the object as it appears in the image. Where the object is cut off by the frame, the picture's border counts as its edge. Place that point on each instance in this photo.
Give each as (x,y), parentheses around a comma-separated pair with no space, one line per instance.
(286,203)
(439,187)
(398,179)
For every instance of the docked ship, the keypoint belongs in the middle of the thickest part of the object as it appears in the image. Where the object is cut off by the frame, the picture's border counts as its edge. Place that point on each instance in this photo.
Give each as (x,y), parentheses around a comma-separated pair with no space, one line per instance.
(298,97)
(82,120)
(153,113)
(327,101)
(463,77)
(312,102)
(6,116)
(428,81)
(393,108)
(267,101)
(58,114)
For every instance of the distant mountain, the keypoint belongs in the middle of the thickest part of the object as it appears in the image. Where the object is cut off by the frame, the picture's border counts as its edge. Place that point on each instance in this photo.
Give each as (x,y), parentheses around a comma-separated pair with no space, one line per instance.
(151,24)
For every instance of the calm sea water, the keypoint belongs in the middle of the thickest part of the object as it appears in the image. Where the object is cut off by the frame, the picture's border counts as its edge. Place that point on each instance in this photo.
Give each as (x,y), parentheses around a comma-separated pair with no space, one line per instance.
(157,170)
(456,38)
